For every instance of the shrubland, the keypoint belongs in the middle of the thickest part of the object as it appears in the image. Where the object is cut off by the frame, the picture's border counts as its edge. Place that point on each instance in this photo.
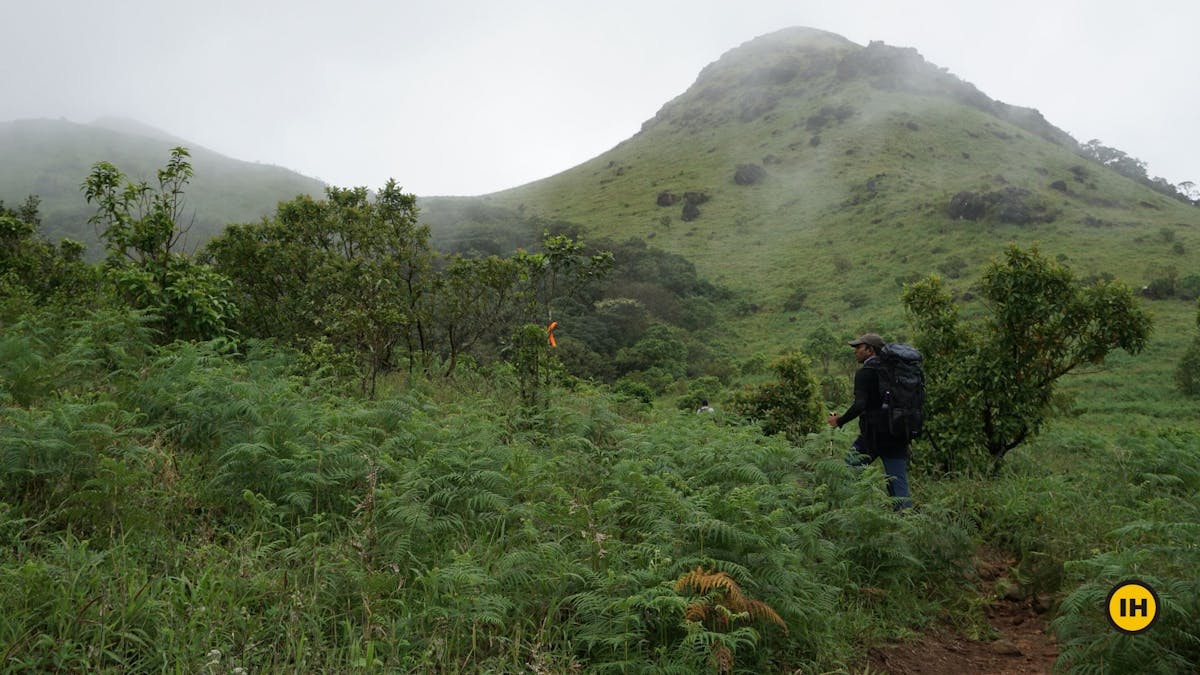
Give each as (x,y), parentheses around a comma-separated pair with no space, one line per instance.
(336,440)
(206,505)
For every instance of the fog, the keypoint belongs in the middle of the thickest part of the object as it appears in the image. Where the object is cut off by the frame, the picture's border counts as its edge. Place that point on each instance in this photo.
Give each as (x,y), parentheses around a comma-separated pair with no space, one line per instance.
(469,97)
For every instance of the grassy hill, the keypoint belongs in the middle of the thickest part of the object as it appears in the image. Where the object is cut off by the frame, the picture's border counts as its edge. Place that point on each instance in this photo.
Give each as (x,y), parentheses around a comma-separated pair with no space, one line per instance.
(221,507)
(829,170)
(51,159)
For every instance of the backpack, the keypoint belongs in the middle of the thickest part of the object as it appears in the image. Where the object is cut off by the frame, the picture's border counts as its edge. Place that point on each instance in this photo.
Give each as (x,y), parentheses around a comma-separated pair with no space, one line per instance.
(902,390)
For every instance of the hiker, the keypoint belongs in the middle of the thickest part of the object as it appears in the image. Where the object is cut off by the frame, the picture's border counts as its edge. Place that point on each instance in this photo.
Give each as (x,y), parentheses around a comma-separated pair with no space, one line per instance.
(874,438)
(704,407)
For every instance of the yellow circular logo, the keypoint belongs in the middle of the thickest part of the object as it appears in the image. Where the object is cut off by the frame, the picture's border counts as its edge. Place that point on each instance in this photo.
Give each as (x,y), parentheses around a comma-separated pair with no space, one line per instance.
(1132,607)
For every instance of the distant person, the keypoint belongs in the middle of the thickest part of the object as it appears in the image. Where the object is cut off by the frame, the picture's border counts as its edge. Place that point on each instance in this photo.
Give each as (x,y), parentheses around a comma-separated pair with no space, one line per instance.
(874,438)
(704,407)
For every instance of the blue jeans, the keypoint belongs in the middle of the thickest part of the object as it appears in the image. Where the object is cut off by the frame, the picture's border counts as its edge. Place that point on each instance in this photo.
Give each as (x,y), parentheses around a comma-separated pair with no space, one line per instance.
(896,469)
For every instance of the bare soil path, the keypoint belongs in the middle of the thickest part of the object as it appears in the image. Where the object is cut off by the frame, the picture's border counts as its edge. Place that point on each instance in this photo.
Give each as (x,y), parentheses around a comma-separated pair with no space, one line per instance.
(1024,644)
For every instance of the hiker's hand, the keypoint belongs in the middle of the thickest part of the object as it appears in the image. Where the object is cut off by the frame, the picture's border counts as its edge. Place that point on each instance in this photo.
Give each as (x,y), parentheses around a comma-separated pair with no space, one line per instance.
(833,419)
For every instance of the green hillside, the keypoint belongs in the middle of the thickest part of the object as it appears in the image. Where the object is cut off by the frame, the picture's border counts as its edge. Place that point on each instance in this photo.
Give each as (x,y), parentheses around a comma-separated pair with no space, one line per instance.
(851,157)
(321,445)
(51,158)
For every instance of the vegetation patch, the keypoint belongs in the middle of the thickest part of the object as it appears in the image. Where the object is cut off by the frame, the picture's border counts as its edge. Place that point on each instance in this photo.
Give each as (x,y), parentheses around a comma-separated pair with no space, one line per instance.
(528,487)
(828,115)
(1013,205)
(691,205)
(749,174)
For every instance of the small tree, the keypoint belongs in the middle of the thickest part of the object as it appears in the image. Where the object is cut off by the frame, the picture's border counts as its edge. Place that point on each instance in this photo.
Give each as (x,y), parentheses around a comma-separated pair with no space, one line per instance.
(140,226)
(1187,375)
(471,298)
(350,271)
(1190,191)
(529,353)
(32,266)
(791,405)
(824,346)
(478,300)
(990,383)
(1130,167)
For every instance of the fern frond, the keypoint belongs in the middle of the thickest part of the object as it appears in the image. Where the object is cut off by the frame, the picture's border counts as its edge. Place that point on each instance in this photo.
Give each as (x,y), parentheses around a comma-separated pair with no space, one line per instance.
(703,582)
(732,599)
(697,611)
(761,610)
(722,658)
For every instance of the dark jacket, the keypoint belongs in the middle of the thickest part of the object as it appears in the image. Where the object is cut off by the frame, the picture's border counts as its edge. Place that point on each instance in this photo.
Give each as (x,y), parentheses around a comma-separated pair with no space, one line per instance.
(872,419)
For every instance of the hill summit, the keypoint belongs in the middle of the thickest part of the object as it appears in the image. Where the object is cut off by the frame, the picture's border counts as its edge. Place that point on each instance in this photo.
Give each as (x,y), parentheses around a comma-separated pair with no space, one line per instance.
(816,176)
(751,80)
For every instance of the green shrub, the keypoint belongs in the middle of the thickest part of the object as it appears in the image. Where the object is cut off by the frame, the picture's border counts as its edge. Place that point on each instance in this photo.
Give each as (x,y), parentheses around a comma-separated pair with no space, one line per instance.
(635,390)
(1189,287)
(1187,373)
(660,347)
(791,405)
(795,301)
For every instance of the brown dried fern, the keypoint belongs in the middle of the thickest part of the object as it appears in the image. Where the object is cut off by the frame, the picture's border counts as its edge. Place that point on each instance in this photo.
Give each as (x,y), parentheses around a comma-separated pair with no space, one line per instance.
(722,658)
(732,600)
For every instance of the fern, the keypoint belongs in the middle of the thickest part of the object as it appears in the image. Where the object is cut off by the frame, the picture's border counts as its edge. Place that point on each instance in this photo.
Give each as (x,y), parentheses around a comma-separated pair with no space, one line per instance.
(46,454)
(25,375)
(705,583)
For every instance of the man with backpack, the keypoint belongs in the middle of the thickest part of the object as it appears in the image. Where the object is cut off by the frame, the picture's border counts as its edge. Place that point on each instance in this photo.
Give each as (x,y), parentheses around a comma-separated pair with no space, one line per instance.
(889,414)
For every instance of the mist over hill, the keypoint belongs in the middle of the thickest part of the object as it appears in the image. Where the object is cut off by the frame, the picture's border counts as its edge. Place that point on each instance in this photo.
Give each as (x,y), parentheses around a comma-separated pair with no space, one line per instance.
(321,446)
(51,159)
(798,164)
(816,176)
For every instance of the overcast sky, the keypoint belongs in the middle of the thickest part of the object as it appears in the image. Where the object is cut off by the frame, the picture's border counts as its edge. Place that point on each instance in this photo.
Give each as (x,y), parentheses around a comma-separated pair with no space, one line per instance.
(473,96)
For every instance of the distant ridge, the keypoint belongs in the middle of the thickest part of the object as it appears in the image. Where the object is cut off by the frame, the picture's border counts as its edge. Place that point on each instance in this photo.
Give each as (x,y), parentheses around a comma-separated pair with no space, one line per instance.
(133,127)
(51,158)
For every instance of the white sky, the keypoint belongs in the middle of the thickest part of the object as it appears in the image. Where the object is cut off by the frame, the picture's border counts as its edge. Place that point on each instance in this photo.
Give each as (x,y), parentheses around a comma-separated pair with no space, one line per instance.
(472,96)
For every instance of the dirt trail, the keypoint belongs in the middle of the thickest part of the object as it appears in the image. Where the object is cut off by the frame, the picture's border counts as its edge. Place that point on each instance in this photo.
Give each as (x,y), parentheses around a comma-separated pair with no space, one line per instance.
(1024,644)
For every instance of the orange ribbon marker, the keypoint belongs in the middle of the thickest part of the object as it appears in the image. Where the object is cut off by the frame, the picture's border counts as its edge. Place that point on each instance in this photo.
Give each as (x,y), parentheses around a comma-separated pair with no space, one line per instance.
(550,333)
